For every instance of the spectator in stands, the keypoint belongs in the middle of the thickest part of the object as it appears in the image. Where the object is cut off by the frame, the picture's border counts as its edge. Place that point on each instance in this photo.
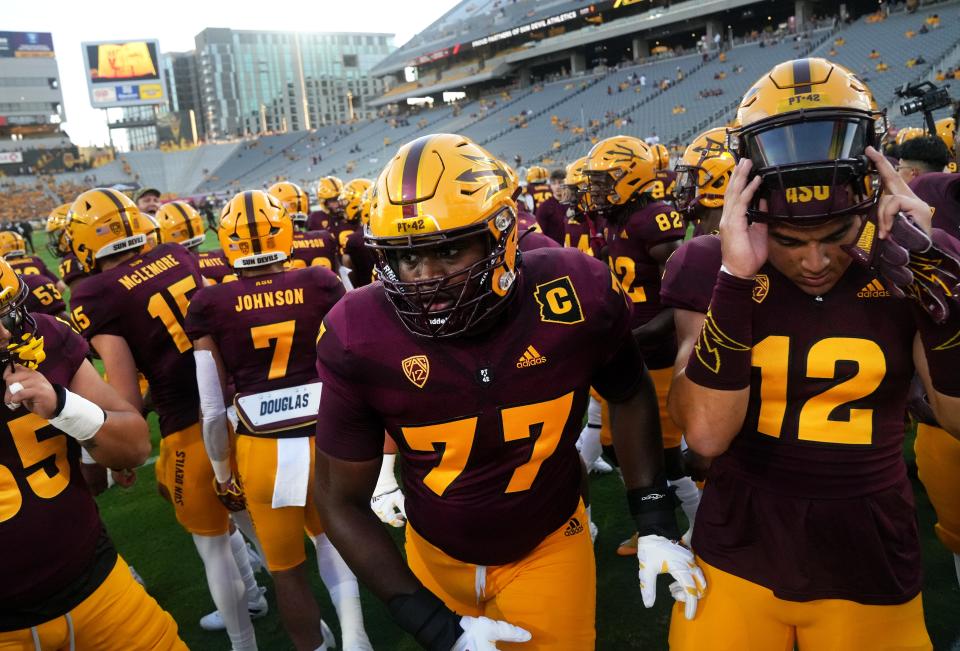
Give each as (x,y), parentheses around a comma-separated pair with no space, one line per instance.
(874,54)
(148,200)
(921,156)
(653,138)
(882,67)
(933,21)
(679,109)
(643,81)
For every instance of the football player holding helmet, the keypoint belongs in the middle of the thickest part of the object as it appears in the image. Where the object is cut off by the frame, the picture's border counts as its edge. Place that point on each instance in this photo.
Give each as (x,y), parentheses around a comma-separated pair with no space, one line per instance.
(818,239)
(357,258)
(456,309)
(64,585)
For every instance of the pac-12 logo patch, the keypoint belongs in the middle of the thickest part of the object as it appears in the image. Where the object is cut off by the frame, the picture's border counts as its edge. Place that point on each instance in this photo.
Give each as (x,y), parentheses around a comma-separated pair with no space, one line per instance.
(761,288)
(558,302)
(417,369)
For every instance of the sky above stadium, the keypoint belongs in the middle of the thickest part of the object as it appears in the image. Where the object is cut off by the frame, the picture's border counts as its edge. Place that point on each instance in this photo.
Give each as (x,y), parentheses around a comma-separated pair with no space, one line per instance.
(176,22)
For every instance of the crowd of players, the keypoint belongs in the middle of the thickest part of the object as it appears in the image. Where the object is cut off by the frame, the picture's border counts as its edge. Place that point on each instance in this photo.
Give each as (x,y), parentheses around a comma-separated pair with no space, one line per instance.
(745,331)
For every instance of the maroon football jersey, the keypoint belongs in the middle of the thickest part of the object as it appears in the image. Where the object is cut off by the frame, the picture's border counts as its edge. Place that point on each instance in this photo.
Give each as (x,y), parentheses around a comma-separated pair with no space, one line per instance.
(44,297)
(315,248)
(486,425)
(214,266)
(342,231)
(812,498)
(31,265)
(662,189)
(361,258)
(266,328)
(628,250)
(525,220)
(540,193)
(551,215)
(70,269)
(942,192)
(319,221)
(534,239)
(584,232)
(55,549)
(145,301)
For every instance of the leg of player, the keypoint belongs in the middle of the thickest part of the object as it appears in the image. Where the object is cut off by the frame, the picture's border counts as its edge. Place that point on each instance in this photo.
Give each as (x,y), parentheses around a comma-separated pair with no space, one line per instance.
(344,592)
(255,555)
(299,610)
(226,588)
(255,594)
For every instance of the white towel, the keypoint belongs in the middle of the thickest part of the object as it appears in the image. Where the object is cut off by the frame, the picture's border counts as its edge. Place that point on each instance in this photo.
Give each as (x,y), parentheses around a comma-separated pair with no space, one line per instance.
(293,472)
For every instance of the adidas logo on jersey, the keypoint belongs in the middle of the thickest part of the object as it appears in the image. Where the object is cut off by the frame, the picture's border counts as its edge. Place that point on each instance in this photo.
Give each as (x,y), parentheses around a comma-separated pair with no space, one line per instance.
(531,357)
(873,289)
(573,527)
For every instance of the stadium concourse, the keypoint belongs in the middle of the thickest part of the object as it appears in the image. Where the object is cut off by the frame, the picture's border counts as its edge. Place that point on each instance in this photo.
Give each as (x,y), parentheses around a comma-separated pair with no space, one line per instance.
(550,122)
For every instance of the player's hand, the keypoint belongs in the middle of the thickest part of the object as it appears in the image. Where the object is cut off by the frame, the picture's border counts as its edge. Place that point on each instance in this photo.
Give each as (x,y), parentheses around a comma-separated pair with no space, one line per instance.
(897,198)
(744,245)
(231,494)
(657,555)
(482,633)
(124,478)
(389,507)
(30,389)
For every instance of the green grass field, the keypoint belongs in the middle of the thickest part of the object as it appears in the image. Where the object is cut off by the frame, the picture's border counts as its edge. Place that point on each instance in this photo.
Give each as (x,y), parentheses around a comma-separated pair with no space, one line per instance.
(146,534)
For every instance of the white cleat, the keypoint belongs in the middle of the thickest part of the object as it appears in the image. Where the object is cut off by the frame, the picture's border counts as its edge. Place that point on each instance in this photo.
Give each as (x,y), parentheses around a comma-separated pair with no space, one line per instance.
(258,608)
(601,467)
(329,642)
(136,576)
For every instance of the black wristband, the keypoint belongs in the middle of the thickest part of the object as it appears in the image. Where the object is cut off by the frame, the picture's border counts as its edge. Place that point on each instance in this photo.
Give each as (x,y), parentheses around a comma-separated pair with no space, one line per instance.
(421,614)
(653,510)
(61,392)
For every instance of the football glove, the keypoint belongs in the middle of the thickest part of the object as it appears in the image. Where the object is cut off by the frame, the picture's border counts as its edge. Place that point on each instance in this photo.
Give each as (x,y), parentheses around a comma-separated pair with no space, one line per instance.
(231,494)
(482,633)
(909,264)
(659,555)
(388,500)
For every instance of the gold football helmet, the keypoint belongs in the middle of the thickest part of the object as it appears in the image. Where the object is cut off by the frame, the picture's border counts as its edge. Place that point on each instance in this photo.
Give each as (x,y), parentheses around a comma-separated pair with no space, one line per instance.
(618,170)
(575,186)
(23,347)
(365,200)
(351,197)
(805,126)
(12,244)
(55,227)
(947,130)
(294,199)
(180,222)
(104,222)
(537,174)
(909,133)
(328,194)
(255,230)
(661,155)
(704,171)
(436,191)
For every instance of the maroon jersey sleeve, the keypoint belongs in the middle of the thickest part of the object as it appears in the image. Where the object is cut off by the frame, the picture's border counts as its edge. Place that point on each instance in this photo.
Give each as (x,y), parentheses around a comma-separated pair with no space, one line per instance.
(318,221)
(942,192)
(530,240)
(691,273)
(361,258)
(201,320)
(347,427)
(44,297)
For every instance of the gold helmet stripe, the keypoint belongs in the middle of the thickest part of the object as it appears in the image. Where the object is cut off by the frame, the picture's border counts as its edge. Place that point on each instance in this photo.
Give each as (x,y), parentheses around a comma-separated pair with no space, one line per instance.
(801,77)
(186,218)
(121,208)
(252,228)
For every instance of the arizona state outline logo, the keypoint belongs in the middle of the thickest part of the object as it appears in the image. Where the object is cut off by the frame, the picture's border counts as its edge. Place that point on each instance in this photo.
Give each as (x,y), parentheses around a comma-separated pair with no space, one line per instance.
(417,369)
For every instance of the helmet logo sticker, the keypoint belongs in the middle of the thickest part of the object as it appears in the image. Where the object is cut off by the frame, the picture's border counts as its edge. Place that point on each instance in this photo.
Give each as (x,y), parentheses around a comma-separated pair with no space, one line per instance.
(487,173)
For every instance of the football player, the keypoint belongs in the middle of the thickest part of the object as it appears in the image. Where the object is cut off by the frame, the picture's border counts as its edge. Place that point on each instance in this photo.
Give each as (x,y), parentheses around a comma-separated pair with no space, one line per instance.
(43,297)
(434,353)
(356,257)
(62,584)
(132,312)
(703,174)
(351,202)
(641,233)
(13,248)
(551,214)
(330,212)
(804,321)
(664,186)
(259,332)
(310,247)
(180,223)
(69,269)
(538,186)
(947,130)
(583,228)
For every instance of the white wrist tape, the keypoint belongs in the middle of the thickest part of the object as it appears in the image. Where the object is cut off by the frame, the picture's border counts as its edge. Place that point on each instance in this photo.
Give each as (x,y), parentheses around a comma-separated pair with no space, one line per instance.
(387,481)
(79,417)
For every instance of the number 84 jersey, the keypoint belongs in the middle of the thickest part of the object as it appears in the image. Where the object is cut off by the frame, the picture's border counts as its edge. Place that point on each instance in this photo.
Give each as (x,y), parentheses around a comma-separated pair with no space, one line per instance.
(486,425)
(145,300)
